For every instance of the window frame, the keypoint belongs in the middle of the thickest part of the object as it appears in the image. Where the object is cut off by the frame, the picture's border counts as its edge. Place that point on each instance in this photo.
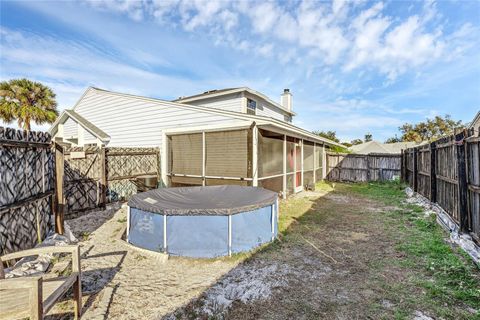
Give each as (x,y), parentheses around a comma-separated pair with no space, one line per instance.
(251,110)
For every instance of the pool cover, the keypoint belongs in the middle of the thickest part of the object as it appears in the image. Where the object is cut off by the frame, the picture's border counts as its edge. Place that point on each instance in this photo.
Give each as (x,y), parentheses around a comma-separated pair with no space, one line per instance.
(211,200)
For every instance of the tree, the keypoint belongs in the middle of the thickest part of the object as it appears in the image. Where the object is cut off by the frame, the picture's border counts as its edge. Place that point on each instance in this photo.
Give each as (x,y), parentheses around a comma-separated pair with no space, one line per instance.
(354,142)
(429,130)
(393,139)
(368,137)
(26,101)
(332,135)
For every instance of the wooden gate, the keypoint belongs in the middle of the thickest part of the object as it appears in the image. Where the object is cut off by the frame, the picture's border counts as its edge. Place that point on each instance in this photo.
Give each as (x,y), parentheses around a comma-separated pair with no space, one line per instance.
(95,176)
(84,180)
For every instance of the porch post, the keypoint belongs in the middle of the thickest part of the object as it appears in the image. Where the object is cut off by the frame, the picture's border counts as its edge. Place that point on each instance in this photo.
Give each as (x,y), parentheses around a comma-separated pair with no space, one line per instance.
(203,158)
(295,166)
(314,163)
(284,193)
(324,163)
(301,161)
(164,160)
(255,156)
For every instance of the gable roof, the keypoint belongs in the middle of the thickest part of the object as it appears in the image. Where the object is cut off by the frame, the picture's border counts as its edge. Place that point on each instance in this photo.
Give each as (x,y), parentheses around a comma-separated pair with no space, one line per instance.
(475,120)
(377,147)
(87,125)
(261,120)
(223,92)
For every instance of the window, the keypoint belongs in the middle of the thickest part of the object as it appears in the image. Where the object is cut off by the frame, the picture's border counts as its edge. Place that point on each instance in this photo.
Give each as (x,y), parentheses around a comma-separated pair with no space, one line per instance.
(287,118)
(251,106)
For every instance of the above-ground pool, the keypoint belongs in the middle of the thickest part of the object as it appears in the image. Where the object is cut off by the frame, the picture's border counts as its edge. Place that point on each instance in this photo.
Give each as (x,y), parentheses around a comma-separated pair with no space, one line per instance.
(204,222)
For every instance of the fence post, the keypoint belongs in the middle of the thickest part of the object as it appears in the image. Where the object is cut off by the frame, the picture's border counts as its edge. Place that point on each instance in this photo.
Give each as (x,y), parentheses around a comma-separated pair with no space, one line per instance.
(462,180)
(433,172)
(402,166)
(415,169)
(369,175)
(103,169)
(59,198)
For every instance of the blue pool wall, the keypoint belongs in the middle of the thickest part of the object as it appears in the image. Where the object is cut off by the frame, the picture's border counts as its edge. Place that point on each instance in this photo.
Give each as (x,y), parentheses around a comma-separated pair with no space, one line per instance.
(203,235)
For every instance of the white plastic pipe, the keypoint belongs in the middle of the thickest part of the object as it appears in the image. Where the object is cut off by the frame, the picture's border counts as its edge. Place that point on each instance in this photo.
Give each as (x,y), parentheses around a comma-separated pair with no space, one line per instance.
(128,222)
(229,235)
(273,221)
(165,233)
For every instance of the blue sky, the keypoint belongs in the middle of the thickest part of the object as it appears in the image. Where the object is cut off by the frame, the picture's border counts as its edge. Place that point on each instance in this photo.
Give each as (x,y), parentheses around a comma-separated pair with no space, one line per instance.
(353,67)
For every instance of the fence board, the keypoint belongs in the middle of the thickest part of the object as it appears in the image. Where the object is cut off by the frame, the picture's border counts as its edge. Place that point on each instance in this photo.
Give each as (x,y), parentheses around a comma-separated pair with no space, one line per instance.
(124,164)
(94,175)
(82,179)
(26,188)
(455,185)
(363,168)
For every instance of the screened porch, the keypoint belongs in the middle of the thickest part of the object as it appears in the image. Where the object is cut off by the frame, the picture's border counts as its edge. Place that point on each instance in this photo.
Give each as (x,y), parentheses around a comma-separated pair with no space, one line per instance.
(254,156)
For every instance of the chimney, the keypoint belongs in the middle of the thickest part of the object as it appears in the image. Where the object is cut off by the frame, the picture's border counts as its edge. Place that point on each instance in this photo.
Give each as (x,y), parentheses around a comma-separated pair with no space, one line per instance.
(286,99)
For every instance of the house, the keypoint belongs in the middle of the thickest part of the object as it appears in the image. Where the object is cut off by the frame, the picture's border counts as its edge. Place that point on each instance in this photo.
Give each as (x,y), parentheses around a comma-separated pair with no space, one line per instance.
(475,124)
(228,136)
(378,147)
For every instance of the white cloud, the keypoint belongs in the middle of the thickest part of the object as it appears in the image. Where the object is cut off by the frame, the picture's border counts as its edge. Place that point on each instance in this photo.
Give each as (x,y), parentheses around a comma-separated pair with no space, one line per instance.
(69,67)
(266,50)
(134,9)
(349,34)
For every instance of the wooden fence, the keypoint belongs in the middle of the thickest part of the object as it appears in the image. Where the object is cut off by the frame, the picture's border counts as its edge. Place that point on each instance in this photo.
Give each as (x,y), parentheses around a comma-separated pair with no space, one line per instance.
(27,188)
(95,176)
(84,178)
(40,179)
(362,168)
(447,172)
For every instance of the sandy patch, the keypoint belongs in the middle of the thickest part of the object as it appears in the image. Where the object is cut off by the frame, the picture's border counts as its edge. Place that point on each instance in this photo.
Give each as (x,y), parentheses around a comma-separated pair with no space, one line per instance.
(121,282)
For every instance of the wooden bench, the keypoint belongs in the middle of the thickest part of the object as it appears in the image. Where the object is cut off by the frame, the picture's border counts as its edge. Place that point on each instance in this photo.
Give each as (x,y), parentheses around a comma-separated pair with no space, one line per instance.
(33,297)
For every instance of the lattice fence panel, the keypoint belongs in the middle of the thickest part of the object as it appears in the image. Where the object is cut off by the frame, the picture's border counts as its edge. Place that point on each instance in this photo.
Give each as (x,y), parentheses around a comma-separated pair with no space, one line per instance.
(125,164)
(120,189)
(26,188)
(82,178)
(130,162)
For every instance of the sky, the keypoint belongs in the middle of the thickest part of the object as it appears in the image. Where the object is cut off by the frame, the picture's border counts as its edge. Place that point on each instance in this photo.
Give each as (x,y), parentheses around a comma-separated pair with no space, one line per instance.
(354,67)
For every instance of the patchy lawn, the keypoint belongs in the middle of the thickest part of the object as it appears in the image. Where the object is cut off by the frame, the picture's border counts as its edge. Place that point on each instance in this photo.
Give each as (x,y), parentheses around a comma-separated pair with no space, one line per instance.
(348,251)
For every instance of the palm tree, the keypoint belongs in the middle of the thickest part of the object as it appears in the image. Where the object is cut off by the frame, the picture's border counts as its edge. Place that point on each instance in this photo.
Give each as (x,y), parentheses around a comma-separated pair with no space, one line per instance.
(26,101)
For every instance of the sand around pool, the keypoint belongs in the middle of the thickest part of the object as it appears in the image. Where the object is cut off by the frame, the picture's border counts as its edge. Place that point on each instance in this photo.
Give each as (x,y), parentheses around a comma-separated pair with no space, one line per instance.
(121,282)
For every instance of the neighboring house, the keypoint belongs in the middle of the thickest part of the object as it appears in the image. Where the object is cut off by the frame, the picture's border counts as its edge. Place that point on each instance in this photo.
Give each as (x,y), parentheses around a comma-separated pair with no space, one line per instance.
(377,147)
(475,124)
(225,136)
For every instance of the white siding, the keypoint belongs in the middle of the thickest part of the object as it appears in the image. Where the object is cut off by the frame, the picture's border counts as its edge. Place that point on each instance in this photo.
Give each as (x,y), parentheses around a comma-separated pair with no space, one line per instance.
(70,128)
(89,138)
(269,111)
(232,102)
(131,121)
(266,109)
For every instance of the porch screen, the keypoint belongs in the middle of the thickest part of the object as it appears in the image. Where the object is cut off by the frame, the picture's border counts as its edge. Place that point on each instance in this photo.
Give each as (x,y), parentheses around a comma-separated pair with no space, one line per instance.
(319,160)
(185,156)
(273,184)
(290,154)
(270,154)
(307,156)
(227,153)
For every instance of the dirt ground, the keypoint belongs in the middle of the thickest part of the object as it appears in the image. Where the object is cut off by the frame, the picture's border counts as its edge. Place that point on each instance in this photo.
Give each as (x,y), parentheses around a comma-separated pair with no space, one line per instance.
(334,261)
(123,282)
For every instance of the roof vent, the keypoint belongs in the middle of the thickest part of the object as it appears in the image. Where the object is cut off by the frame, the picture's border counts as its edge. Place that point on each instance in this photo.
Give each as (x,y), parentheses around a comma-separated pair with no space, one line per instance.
(210,91)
